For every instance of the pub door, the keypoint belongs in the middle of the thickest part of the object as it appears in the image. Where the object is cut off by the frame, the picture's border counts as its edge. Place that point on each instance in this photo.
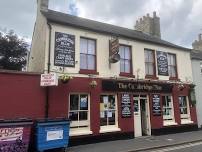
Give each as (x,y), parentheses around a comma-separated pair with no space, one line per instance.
(141,116)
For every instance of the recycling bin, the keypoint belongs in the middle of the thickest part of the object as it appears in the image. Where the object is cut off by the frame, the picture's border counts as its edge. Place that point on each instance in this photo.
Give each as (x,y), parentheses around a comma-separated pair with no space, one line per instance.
(15,135)
(51,134)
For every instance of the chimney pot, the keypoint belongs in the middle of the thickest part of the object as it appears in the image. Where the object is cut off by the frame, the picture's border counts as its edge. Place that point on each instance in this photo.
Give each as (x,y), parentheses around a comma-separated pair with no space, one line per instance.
(199,37)
(154,14)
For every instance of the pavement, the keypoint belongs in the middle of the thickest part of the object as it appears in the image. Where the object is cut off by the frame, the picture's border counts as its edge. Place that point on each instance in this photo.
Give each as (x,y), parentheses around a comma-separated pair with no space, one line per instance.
(139,144)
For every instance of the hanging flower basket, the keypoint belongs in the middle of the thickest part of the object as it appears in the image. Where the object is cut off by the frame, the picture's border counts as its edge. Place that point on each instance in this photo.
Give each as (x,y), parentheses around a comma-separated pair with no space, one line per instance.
(65,78)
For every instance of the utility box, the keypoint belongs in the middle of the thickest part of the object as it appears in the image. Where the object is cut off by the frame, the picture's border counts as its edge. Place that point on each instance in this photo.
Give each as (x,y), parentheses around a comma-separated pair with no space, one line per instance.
(51,134)
(15,135)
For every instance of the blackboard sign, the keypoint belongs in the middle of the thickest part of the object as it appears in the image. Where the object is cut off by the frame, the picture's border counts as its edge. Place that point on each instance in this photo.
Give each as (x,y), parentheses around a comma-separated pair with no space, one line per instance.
(162,63)
(125,106)
(156,106)
(64,50)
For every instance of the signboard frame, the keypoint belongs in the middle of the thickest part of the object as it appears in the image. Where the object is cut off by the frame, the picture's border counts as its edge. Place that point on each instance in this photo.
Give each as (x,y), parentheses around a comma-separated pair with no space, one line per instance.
(64,53)
(162,63)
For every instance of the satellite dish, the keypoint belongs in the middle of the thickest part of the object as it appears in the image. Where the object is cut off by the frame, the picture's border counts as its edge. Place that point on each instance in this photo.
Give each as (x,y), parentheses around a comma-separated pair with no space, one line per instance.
(115,58)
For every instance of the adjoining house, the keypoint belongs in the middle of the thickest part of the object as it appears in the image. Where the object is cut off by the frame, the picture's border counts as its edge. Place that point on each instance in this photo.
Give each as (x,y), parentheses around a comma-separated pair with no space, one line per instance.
(125,82)
(196,58)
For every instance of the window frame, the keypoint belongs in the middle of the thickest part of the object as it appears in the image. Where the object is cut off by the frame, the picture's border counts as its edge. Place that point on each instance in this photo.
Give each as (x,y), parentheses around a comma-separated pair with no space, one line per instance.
(184,116)
(127,74)
(175,67)
(154,64)
(88,71)
(73,124)
(110,128)
(170,118)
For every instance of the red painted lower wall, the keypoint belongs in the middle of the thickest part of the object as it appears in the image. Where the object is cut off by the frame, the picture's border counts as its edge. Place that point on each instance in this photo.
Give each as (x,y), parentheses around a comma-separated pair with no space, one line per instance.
(21,96)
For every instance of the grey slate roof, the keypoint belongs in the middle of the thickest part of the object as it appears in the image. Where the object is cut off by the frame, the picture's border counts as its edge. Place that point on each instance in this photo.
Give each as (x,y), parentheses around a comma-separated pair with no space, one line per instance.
(74,21)
(196,54)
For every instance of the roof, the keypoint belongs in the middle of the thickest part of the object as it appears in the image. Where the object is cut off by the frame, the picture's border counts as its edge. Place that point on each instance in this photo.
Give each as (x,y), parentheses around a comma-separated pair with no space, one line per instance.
(74,21)
(196,54)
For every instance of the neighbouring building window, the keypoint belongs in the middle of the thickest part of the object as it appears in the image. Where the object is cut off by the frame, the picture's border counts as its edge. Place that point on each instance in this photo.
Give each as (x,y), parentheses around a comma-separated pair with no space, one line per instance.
(87,54)
(149,62)
(126,60)
(184,107)
(79,111)
(172,67)
(168,111)
(108,110)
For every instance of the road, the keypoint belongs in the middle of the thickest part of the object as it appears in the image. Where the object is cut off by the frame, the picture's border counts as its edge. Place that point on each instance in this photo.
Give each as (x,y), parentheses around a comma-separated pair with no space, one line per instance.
(191,147)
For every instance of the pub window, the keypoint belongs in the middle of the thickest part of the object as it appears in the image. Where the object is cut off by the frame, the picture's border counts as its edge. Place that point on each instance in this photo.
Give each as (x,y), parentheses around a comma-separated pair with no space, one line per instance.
(87,54)
(184,107)
(108,111)
(125,59)
(172,67)
(168,112)
(79,111)
(149,62)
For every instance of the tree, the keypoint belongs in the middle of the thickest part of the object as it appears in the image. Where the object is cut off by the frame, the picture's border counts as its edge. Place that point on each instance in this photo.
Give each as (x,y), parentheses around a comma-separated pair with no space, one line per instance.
(13,51)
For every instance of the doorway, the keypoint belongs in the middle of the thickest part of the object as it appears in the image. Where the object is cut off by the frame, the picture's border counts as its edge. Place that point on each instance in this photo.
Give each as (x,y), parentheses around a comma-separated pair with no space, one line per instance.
(141,115)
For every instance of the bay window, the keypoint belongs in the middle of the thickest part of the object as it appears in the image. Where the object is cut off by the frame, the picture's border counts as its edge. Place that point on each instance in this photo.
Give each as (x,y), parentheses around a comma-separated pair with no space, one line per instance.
(172,67)
(87,54)
(125,59)
(149,63)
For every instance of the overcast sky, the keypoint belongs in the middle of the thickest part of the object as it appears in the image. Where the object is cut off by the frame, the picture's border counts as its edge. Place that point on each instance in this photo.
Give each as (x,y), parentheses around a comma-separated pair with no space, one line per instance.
(180,19)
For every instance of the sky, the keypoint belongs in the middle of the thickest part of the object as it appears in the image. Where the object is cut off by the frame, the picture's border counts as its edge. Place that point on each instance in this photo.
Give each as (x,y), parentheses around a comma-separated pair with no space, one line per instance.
(180,19)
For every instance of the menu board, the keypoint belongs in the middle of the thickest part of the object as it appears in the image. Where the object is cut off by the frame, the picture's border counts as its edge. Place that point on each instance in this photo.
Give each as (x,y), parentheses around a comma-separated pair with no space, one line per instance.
(156,106)
(162,63)
(64,50)
(125,106)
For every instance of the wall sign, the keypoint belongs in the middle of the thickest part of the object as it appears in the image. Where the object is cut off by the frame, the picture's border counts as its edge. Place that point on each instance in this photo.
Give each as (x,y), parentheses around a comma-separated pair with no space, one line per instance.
(162,63)
(128,86)
(49,79)
(156,106)
(125,106)
(64,50)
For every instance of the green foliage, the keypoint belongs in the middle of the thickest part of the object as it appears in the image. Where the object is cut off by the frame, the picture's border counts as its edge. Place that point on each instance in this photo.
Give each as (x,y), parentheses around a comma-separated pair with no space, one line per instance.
(13,51)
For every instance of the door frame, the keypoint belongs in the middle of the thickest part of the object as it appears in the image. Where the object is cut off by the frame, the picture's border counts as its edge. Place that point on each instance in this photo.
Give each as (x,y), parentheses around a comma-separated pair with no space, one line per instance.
(147,111)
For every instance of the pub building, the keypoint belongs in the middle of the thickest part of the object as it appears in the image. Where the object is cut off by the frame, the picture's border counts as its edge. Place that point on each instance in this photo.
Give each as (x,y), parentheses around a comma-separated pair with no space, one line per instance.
(125,83)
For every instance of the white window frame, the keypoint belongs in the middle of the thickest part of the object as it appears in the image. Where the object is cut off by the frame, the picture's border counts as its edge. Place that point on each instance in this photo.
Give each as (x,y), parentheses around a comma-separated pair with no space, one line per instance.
(82,130)
(185,118)
(111,128)
(169,120)
(149,63)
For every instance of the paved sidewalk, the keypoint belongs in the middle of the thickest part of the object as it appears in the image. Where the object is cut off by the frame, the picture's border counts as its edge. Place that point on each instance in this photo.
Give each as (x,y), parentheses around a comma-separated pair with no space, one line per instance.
(140,144)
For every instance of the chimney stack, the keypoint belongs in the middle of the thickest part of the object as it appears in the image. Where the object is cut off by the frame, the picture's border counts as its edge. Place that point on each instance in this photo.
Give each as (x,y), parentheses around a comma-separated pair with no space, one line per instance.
(197,44)
(149,25)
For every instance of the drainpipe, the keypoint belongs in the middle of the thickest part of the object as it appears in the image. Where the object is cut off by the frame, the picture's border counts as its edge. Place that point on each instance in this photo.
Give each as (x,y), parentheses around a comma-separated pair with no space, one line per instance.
(47,88)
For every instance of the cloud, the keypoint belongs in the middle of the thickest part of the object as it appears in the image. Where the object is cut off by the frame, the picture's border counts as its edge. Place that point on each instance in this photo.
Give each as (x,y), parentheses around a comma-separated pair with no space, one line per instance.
(18,15)
(180,19)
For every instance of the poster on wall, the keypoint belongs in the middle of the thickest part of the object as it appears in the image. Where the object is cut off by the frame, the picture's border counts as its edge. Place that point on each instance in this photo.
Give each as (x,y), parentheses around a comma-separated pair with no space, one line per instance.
(162,63)
(64,54)
(125,106)
(156,105)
